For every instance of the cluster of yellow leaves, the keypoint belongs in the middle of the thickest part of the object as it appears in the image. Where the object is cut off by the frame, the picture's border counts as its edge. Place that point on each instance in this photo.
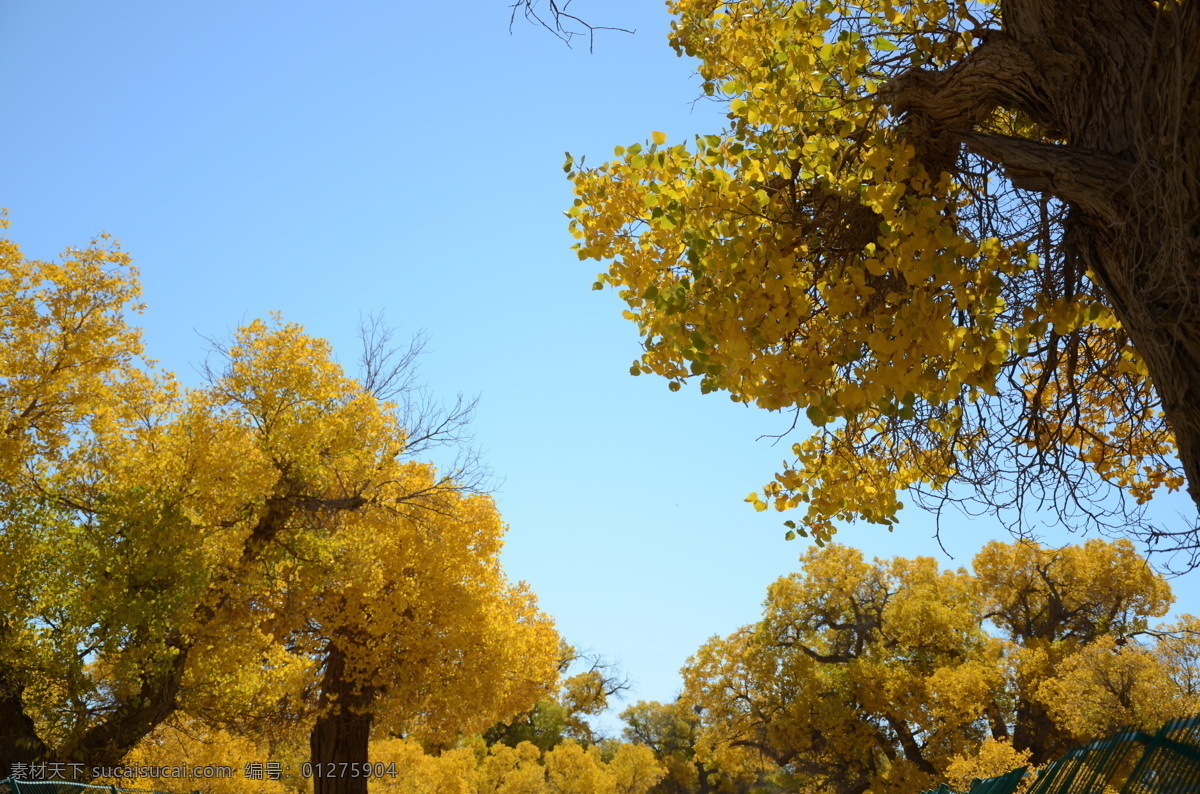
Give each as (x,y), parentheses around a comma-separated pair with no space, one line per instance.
(434,624)
(65,349)
(805,259)
(895,675)
(1106,686)
(566,769)
(188,747)
(1074,593)
(993,758)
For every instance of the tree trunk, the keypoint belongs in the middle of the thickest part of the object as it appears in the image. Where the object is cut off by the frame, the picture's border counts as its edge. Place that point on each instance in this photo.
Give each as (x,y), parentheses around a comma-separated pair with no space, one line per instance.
(339,739)
(19,742)
(1036,732)
(1118,81)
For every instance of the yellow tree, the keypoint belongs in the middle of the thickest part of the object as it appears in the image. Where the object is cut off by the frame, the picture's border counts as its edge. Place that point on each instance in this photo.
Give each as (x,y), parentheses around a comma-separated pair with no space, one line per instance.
(858,676)
(401,602)
(223,549)
(1050,605)
(68,593)
(587,682)
(180,743)
(669,730)
(880,676)
(956,236)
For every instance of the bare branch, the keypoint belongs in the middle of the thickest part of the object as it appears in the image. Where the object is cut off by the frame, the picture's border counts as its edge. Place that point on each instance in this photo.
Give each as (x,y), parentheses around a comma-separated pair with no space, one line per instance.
(390,372)
(555,18)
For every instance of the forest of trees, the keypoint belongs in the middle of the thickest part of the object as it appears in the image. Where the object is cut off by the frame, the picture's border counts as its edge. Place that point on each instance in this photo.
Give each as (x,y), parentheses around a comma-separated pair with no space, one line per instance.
(956,240)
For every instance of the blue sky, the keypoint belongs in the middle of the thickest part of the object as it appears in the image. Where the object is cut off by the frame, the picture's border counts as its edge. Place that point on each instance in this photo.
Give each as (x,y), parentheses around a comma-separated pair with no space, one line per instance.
(406,158)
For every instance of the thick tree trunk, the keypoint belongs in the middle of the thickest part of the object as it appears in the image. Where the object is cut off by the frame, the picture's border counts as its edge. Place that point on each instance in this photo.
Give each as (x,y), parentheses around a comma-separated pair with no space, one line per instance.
(1118,81)
(1035,731)
(339,739)
(19,742)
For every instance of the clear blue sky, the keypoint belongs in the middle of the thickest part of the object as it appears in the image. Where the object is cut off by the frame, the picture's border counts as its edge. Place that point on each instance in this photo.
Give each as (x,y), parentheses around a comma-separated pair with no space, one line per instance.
(325,161)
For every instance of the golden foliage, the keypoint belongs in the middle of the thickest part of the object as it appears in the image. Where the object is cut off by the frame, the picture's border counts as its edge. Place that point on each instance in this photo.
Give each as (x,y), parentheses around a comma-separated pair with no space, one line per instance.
(219,541)
(1107,686)
(993,758)
(566,769)
(186,744)
(896,675)
(807,258)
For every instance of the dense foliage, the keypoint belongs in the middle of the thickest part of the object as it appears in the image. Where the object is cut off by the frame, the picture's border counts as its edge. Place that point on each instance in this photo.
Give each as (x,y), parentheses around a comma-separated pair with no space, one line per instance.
(910,234)
(894,675)
(262,550)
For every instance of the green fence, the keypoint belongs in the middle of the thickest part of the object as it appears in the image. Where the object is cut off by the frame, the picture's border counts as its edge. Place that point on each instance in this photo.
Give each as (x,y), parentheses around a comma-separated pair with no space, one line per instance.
(18,786)
(1129,762)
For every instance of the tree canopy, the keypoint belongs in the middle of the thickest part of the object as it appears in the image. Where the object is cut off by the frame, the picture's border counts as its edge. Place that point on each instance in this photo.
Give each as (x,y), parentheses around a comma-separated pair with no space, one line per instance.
(953,236)
(893,675)
(263,548)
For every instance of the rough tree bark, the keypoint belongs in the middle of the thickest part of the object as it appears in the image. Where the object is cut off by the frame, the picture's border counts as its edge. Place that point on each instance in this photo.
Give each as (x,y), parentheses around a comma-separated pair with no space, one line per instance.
(1118,82)
(339,739)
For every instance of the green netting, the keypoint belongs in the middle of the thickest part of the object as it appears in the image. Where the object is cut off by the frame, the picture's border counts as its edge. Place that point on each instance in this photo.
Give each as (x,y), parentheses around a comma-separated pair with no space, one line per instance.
(1128,762)
(1171,762)
(1001,784)
(1093,767)
(17,786)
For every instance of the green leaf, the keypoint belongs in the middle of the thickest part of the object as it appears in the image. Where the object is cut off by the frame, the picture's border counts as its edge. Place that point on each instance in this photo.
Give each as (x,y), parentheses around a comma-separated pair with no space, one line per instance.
(884,44)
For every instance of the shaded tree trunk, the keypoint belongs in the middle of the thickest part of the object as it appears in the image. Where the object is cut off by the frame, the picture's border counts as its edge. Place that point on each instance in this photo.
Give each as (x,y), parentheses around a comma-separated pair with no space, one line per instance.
(104,744)
(339,739)
(19,742)
(1036,732)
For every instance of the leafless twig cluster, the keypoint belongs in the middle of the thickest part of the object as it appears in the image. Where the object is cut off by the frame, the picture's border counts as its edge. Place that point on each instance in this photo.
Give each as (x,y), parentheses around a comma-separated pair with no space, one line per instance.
(556,17)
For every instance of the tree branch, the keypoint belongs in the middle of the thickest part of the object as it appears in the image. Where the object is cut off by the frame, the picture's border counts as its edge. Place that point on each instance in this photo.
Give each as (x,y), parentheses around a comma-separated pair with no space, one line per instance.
(1091,180)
